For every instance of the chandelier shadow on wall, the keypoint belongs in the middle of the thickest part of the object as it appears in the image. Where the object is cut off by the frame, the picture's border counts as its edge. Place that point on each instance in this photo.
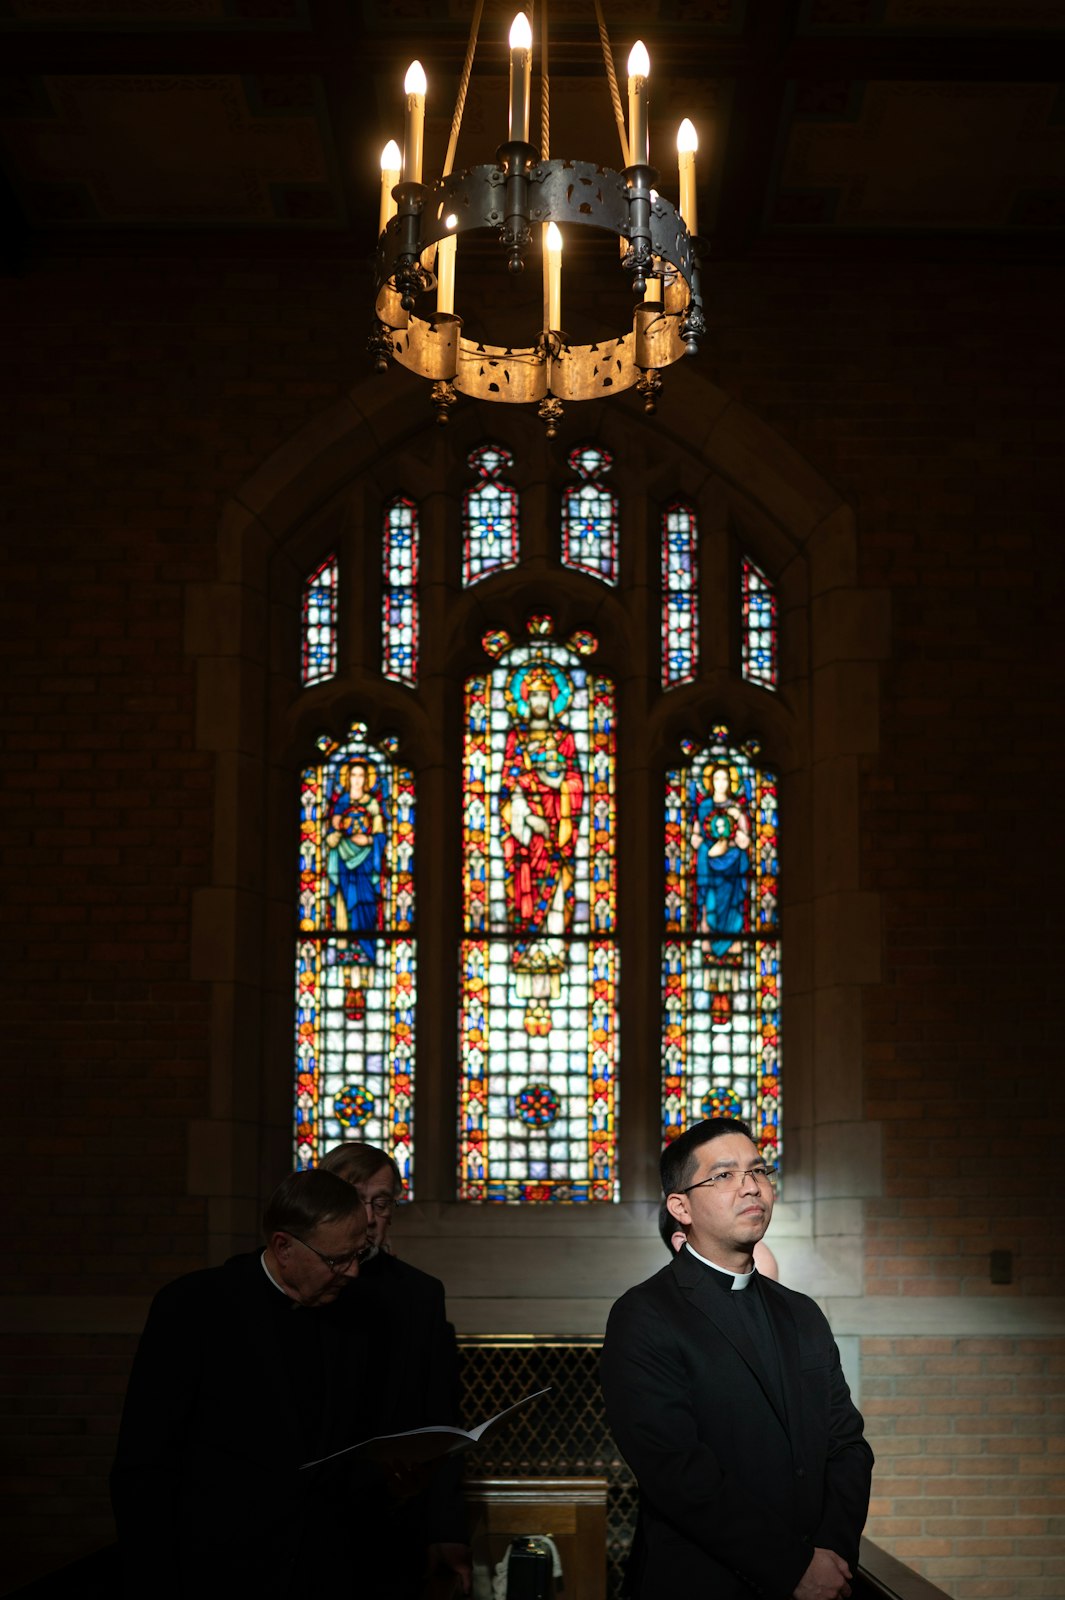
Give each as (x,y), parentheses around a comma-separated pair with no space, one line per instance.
(521,193)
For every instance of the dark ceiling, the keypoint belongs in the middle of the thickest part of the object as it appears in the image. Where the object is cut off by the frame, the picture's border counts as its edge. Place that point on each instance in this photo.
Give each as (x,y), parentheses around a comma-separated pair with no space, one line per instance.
(835,125)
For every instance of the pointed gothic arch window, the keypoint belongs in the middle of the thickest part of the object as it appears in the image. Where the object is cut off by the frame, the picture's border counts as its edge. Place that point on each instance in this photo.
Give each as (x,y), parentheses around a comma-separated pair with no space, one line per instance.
(758,601)
(539,958)
(489,517)
(721,952)
(355,951)
(318,635)
(399,584)
(680,594)
(590,516)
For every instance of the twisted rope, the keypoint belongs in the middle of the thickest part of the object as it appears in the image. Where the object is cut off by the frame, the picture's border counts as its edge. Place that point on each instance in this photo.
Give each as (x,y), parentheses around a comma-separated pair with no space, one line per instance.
(611,78)
(464,84)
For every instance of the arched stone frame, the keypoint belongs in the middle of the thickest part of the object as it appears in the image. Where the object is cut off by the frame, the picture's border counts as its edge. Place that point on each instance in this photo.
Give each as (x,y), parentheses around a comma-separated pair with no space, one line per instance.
(502,1263)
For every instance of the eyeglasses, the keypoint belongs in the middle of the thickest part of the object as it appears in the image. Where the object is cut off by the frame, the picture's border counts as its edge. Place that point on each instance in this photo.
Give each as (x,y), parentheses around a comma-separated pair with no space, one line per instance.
(726,1178)
(380,1204)
(338,1263)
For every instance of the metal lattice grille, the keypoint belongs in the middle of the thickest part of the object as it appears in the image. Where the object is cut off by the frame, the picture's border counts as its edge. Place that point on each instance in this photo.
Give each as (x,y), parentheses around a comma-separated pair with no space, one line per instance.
(562,1434)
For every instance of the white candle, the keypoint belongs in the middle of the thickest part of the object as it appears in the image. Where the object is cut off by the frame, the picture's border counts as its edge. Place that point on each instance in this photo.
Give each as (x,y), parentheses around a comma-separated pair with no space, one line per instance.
(520,77)
(414,87)
(639,70)
(391,165)
(445,271)
(553,277)
(687,144)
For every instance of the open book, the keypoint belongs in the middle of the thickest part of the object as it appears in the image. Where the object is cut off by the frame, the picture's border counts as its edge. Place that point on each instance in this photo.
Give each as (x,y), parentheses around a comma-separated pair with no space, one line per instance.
(426,1444)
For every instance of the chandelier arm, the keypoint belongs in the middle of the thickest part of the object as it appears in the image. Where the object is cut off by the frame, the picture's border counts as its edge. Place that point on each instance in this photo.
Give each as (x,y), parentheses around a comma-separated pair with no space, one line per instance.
(611,78)
(464,84)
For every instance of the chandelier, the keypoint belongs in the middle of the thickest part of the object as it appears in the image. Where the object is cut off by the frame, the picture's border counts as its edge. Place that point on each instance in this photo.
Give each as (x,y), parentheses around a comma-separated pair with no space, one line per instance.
(521,191)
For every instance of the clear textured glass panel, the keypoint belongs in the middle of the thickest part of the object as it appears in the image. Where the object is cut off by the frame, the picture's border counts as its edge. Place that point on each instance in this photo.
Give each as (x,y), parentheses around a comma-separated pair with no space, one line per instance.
(590,517)
(721,952)
(318,637)
(680,595)
(399,584)
(759,602)
(489,517)
(355,952)
(539,963)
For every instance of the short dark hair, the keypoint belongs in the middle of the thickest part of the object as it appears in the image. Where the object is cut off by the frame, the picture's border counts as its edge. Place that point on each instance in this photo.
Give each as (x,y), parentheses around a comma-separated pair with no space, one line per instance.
(356,1162)
(667,1227)
(680,1160)
(304,1199)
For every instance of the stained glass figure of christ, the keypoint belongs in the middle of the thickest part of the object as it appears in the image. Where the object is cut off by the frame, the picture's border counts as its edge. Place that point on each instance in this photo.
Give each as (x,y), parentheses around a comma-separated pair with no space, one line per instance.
(539,962)
(355,951)
(721,954)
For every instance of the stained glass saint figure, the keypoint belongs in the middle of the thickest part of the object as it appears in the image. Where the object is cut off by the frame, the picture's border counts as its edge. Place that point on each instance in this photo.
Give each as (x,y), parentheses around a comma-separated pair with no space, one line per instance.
(355,848)
(721,840)
(541,799)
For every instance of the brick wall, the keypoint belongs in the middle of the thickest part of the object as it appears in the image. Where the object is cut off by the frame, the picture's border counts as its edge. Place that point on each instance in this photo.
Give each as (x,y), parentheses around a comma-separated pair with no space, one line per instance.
(969,1484)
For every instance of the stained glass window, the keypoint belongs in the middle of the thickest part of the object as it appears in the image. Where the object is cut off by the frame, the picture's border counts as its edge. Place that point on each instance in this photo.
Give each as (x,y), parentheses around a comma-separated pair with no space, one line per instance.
(721,953)
(539,961)
(319,630)
(759,603)
(355,951)
(490,517)
(590,517)
(399,572)
(680,599)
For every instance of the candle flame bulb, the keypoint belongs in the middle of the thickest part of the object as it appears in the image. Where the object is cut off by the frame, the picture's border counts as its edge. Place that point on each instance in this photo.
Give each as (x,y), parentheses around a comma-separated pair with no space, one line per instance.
(687,138)
(639,60)
(520,33)
(415,81)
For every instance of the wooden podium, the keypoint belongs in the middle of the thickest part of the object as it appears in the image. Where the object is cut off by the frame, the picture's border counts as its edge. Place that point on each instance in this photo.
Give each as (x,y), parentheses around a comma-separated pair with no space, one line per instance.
(571,1511)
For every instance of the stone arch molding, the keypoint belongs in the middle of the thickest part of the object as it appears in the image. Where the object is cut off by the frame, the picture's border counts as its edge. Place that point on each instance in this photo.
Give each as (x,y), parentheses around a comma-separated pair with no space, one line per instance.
(840,633)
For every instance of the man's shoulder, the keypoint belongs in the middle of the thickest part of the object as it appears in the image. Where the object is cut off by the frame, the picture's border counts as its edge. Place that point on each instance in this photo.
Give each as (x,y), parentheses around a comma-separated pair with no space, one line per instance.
(391,1275)
(208,1285)
(657,1290)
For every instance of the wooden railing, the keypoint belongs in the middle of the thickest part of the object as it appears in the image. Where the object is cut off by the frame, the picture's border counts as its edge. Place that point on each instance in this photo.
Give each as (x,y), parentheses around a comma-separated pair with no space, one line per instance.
(882,1577)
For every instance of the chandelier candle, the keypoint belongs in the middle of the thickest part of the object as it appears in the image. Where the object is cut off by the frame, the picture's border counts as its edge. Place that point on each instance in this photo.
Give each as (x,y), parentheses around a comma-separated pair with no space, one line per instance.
(445,271)
(414,87)
(639,71)
(520,77)
(391,166)
(552,278)
(687,145)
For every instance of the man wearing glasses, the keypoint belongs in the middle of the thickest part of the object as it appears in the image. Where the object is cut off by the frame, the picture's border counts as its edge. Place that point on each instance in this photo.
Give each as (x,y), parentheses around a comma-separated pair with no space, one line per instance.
(244,1372)
(724,1392)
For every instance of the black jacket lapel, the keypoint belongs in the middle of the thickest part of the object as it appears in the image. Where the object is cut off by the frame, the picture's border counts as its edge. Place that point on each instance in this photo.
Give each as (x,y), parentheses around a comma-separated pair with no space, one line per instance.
(698,1287)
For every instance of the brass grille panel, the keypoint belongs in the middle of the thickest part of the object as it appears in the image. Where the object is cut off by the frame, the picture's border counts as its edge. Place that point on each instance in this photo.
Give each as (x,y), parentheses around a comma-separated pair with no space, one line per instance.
(563,1434)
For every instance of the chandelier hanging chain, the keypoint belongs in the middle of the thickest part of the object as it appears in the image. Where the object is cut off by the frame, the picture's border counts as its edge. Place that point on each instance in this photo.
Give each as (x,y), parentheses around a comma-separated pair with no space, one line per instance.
(545,88)
(464,84)
(612,80)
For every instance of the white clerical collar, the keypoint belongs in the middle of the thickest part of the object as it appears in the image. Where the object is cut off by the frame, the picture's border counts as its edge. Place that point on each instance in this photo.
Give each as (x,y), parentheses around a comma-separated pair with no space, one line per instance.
(740,1280)
(274,1281)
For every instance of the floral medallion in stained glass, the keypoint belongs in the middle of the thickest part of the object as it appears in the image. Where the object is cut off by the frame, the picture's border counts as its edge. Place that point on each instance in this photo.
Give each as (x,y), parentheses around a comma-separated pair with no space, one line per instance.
(721,953)
(539,961)
(355,951)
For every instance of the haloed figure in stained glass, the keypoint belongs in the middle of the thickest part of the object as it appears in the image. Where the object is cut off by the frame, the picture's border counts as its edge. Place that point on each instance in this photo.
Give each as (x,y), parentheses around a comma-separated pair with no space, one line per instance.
(540,806)
(355,847)
(721,839)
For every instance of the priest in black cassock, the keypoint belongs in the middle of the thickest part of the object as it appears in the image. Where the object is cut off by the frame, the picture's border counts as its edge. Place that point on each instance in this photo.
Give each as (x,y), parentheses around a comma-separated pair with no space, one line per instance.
(725,1394)
(245,1372)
